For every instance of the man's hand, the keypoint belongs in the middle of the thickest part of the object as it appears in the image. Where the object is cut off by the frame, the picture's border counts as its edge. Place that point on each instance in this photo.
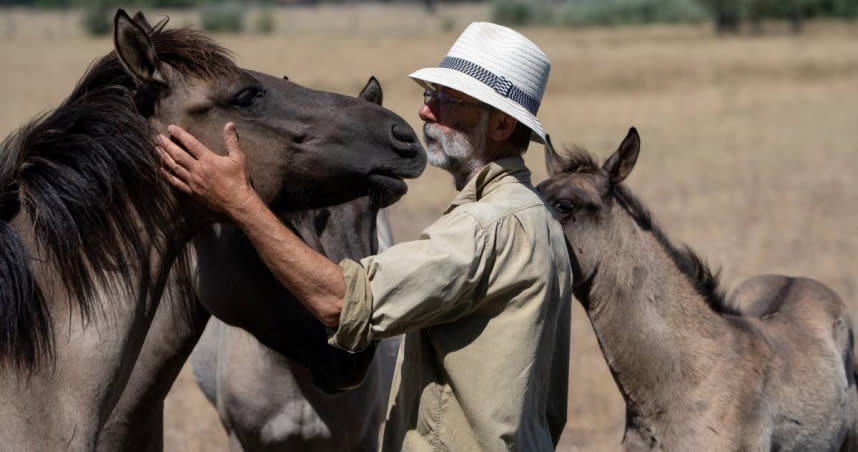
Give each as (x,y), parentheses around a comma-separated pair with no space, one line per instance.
(221,183)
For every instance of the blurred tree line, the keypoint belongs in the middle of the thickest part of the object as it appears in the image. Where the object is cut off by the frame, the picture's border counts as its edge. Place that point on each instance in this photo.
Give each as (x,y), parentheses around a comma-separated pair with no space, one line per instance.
(727,15)
(58,4)
(542,10)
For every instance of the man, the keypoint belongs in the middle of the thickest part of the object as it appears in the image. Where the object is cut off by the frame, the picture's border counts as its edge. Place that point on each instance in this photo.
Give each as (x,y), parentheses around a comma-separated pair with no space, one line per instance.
(483,295)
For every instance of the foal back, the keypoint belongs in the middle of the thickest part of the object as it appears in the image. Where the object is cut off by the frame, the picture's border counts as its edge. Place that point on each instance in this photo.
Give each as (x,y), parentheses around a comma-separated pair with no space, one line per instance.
(810,328)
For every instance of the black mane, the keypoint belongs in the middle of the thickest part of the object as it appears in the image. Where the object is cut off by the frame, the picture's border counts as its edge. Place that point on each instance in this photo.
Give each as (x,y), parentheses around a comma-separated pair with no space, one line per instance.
(705,281)
(87,176)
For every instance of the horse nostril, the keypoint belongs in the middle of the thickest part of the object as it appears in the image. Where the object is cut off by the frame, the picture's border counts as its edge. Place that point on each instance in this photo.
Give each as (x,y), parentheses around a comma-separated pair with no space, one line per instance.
(405,140)
(403,133)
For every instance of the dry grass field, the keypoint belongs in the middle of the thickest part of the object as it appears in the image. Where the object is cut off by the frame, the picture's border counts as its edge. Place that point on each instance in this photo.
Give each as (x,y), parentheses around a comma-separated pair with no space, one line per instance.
(750,144)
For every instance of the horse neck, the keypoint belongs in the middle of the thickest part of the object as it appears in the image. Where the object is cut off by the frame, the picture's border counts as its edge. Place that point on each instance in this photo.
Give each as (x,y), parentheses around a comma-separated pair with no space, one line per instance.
(166,247)
(230,270)
(121,316)
(161,247)
(656,331)
(343,231)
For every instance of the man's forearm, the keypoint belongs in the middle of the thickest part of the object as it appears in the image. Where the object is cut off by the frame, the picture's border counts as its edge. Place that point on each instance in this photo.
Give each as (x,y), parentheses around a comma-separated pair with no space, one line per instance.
(310,276)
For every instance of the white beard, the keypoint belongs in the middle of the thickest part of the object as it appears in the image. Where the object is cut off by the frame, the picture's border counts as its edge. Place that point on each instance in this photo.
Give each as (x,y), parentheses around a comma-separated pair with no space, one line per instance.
(452,151)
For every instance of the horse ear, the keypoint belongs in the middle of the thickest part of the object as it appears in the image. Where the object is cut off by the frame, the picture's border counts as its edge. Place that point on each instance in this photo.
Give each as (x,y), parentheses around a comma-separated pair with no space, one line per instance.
(136,51)
(140,19)
(620,164)
(372,91)
(554,163)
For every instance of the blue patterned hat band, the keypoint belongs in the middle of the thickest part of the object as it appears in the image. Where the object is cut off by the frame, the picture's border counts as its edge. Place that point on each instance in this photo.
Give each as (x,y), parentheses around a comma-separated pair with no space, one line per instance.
(496,82)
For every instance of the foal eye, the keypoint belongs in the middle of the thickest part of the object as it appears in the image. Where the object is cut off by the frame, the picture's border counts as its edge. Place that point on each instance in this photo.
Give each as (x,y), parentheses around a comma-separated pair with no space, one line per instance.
(247,96)
(563,206)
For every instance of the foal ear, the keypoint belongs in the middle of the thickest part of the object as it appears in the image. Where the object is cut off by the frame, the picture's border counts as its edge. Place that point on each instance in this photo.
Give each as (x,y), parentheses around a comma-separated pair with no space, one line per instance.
(554,163)
(372,91)
(136,51)
(620,164)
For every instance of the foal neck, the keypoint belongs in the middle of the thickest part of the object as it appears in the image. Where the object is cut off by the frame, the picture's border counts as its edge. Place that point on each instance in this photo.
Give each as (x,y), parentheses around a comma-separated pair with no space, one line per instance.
(656,330)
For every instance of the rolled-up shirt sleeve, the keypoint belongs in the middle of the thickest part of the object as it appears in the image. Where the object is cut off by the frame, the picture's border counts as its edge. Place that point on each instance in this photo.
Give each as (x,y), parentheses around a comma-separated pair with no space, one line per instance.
(414,284)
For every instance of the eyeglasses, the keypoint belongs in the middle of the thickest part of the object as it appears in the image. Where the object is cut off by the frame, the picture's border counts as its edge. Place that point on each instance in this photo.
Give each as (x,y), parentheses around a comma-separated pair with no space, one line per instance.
(445,100)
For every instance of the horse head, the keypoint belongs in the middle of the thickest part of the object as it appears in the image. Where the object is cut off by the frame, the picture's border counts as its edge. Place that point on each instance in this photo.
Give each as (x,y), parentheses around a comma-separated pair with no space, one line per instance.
(229,270)
(305,148)
(584,198)
(89,168)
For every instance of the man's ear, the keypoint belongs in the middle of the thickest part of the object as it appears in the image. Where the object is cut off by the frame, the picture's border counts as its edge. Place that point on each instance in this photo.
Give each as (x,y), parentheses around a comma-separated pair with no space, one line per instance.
(501,126)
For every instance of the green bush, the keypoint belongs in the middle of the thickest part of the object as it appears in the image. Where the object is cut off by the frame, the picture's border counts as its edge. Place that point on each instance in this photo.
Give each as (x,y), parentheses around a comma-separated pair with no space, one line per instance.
(785,8)
(52,3)
(97,20)
(813,8)
(448,24)
(265,21)
(577,13)
(843,8)
(169,3)
(616,12)
(514,12)
(223,17)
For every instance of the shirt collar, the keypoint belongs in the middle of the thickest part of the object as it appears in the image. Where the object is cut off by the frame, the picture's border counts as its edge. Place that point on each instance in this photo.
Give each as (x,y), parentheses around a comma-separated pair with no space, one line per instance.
(491,176)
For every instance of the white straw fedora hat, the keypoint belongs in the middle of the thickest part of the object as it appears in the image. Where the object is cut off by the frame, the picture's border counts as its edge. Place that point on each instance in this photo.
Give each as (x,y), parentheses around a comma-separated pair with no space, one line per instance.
(498,66)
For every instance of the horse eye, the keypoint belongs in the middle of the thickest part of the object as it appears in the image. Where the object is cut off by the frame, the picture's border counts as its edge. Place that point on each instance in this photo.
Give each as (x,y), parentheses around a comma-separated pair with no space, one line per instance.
(563,206)
(247,96)
(285,77)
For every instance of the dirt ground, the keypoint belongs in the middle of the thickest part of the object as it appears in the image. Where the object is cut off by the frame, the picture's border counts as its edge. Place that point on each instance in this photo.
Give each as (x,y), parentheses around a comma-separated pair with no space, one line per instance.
(749,142)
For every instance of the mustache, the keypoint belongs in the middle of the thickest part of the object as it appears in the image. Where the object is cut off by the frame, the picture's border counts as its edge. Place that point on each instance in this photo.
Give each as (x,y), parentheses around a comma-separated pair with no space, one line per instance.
(430,130)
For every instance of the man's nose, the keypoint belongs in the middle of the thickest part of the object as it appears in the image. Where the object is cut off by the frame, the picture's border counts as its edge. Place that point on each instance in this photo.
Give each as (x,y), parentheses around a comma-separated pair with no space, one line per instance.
(426,114)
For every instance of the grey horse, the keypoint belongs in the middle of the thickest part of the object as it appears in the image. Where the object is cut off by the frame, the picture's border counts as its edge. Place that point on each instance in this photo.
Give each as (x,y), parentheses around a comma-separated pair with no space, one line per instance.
(772,370)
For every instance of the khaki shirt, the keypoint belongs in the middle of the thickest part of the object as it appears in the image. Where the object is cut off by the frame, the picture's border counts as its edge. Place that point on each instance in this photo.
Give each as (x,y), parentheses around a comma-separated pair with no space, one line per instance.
(484,297)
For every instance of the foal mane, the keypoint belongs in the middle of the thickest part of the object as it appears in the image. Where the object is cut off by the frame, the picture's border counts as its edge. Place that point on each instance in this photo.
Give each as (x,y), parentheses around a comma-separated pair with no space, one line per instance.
(87,175)
(705,281)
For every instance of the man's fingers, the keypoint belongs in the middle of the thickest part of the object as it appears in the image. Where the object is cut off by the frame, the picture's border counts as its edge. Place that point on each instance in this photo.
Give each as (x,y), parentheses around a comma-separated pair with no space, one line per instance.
(172,166)
(230,140)
(166,160)
(194,147)
(171,155)
(175,153)
(176,182)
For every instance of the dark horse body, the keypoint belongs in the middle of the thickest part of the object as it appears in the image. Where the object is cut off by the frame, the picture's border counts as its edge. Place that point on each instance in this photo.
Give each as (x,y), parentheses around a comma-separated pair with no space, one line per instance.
(90,231)
(262,384)
(251,383)
(772,370)
(264,392)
